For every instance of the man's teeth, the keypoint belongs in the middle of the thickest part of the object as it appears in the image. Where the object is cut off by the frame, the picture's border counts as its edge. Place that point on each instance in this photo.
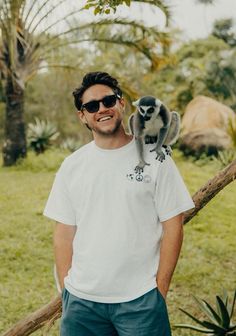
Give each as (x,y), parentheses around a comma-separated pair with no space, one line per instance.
(104,118)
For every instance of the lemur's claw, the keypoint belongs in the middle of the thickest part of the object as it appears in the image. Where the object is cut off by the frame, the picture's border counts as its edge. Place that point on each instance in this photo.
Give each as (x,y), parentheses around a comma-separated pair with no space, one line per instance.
(160,157)
(138,170)
(168,150)
(140,167)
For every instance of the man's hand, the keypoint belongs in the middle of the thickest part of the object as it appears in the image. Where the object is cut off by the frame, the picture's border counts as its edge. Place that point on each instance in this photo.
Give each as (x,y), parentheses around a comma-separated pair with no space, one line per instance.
(63,239)
(169,252)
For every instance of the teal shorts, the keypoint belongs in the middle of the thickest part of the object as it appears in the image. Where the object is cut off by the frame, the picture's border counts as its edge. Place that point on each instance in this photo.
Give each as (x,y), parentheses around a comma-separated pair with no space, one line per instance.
(145,316)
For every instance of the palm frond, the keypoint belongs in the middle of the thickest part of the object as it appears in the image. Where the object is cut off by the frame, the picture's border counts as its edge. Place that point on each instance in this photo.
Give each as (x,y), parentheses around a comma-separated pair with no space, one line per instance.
(51,10)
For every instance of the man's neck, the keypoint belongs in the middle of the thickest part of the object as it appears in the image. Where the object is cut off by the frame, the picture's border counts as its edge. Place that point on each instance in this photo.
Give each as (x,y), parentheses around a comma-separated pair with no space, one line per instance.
(112,141)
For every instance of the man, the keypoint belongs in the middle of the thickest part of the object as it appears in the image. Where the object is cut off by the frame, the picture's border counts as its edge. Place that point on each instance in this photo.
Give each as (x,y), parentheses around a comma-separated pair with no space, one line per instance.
(118,233)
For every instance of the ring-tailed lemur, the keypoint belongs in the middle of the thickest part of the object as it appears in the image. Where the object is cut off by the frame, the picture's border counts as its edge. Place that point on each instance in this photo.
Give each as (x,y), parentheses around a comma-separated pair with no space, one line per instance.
(153,123)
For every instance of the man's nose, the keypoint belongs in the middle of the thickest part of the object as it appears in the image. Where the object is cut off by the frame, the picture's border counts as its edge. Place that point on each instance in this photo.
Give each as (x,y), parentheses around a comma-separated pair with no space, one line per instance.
(102,108)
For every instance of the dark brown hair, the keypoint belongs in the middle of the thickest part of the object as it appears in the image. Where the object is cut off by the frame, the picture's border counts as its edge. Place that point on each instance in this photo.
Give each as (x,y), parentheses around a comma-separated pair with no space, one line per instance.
(93,78)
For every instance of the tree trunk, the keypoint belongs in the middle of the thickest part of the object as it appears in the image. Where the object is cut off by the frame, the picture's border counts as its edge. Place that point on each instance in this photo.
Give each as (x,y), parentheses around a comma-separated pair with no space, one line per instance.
(14,146)
(52,311)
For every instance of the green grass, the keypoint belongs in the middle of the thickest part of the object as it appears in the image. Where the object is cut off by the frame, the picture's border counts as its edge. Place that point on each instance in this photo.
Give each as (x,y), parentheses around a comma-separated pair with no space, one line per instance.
(207,261)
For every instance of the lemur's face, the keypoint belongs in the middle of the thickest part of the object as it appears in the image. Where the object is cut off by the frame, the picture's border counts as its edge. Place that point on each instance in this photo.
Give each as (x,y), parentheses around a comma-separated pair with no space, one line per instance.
(148,107)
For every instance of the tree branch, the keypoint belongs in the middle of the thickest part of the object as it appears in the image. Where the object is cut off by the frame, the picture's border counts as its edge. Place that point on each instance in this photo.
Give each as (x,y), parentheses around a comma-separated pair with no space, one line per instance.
(52,311)
(210,189)
(38,319)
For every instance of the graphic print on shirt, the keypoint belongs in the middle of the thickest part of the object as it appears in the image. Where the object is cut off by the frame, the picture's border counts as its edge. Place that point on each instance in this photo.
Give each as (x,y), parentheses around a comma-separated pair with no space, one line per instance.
(139,177)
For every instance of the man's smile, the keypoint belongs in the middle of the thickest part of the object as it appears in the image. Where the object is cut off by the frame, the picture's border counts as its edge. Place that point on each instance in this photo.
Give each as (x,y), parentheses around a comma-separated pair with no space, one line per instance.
(104,118)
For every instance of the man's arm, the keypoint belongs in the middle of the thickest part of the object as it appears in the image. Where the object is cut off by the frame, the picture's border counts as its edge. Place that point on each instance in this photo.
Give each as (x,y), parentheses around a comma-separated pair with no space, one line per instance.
(169,251)
(62,241)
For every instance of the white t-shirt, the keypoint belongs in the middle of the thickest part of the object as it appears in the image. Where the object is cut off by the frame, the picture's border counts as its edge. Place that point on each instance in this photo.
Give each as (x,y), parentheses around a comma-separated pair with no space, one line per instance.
(118,214)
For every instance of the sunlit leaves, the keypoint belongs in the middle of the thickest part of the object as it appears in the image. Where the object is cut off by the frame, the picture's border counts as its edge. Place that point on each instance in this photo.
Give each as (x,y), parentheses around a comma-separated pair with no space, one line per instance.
(105,6)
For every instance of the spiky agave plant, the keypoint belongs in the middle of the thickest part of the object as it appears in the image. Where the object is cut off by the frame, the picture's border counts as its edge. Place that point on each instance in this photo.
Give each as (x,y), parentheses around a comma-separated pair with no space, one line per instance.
(219,322)
(41,134)
(70,144)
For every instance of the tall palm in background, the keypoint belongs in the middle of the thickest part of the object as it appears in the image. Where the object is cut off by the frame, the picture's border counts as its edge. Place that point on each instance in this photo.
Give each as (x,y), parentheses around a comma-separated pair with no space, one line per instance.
(30,33)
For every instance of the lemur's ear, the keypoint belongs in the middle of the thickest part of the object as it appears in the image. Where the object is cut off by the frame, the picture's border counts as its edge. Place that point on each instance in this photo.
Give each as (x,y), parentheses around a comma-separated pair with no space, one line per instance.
(158,102)
(136,103)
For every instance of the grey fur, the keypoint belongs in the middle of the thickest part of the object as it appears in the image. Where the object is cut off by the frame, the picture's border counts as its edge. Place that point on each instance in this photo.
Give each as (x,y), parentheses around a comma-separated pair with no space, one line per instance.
(153,123)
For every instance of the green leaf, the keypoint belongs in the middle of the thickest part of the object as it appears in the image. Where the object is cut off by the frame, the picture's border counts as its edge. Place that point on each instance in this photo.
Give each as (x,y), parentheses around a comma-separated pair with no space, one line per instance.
(225,297)
(97,10)
(127,2)
(216,328)
(107,11)
(216,316)
(232,328)
(88,6)
(192,317)
(207,310)
(224,312)
(188,326)
(205,324)
(232,307)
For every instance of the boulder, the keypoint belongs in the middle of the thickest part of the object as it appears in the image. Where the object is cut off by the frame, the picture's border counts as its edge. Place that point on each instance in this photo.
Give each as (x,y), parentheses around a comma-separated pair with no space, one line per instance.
(204,127)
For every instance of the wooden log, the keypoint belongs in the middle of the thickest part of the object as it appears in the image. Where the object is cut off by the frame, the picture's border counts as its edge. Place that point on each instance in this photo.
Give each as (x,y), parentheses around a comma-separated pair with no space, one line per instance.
(52,311)
(38,319)
(210,189)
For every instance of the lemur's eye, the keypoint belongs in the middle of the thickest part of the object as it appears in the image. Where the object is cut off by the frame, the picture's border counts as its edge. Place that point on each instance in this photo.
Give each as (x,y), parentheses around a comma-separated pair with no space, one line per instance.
(141,110)
(151,110)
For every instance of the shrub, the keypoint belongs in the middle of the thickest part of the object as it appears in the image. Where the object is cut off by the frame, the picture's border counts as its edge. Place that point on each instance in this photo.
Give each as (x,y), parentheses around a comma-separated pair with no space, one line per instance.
(219,322)
(41,134)
(70,144)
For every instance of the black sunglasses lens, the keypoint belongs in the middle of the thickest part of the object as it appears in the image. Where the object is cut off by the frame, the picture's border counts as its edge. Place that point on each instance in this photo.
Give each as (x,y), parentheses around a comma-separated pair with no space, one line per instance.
(92,106)
(109,101)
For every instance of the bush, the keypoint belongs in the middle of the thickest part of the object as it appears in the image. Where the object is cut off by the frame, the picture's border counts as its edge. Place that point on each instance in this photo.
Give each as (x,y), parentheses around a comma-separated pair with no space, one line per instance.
(41,134)
(219,322)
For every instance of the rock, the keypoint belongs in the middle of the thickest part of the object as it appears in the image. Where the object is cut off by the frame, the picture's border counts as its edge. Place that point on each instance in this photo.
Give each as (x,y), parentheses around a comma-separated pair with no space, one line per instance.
(204,127)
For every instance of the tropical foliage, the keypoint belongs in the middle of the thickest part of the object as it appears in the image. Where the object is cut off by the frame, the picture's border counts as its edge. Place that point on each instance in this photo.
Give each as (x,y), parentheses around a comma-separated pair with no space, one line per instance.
(108,6)
(41,134)
(223,29)
(105,6)
(71,144)
(219,321)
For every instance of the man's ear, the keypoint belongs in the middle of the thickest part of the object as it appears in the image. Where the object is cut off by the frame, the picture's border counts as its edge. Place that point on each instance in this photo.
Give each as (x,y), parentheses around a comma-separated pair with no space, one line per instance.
(81,116)
(122,102)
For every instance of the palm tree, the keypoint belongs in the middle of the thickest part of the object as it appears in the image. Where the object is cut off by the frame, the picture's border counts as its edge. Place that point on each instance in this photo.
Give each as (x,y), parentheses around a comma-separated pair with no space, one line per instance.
(28,41)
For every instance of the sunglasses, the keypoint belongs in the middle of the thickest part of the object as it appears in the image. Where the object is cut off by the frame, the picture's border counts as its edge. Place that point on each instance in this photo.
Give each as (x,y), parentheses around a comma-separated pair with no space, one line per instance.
(94,105)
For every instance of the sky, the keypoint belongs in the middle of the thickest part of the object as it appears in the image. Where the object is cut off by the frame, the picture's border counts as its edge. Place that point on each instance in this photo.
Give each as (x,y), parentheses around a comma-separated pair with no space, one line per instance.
(195,20)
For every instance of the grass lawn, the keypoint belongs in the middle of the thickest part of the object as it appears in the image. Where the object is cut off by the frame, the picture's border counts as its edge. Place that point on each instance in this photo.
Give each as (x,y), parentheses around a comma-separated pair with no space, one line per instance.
(207,261)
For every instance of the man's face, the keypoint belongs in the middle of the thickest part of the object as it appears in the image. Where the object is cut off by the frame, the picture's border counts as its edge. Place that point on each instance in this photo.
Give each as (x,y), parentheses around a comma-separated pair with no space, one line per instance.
(106,121)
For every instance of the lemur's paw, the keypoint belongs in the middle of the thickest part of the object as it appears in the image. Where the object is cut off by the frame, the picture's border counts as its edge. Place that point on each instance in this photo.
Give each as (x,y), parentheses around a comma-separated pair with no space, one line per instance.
(140,167)
(160,157)
(168,150)
(138,170)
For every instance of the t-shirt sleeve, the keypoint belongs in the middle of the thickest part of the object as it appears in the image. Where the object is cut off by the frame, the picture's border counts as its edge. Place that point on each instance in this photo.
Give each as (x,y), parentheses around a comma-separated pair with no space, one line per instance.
(172,196)
(59,206)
